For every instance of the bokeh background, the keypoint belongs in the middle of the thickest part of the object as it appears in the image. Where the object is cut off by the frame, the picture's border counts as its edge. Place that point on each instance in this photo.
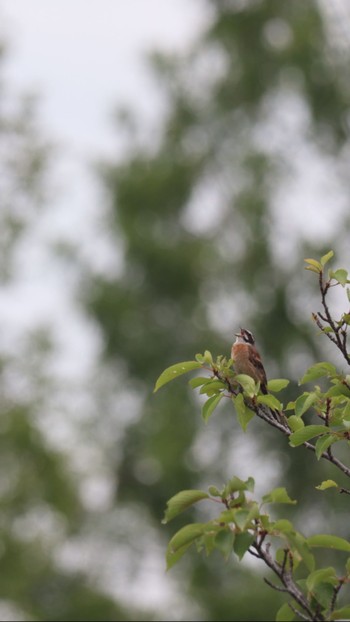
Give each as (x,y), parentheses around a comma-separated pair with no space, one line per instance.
(164,169)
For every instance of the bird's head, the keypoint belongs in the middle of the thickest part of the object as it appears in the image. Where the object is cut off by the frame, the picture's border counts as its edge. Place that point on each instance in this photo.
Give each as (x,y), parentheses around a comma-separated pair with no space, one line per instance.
(245,336)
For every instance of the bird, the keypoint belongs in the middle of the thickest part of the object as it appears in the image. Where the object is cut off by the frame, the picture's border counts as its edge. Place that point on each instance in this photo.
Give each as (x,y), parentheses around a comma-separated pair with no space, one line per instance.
(247,359)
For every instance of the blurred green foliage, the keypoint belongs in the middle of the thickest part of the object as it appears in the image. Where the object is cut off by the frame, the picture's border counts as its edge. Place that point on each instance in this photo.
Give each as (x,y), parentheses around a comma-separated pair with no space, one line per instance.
(208,247)
(40,504)
(202,211)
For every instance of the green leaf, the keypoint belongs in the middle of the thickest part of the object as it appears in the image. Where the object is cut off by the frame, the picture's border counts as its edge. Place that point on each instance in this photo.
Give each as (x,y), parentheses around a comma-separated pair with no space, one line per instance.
(299,543)
(210,406)
(236,484)
(322,575)
(325,258)
(277,384)
(304,434)
(224,540)
(284,614)
(313,265)
(329,542)
(244,516)
(341,276)
(317,371)
(323,443)
(181,501)
(295,423)
(338,389)
(323,594)
(313,269)
(341,614)
(304,402)
(278,495)
(269,400)
(208,357)
(283,525)
(180,542)
(214,492)
(348,293)
(242,543)
(244,414)
(327,483)
(198,381)
(213,386)
(174,371)
(247,383)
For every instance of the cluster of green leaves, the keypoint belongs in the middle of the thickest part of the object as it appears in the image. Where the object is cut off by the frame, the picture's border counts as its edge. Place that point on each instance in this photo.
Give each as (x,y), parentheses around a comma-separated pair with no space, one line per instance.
(242,525)
(331,406)
(223,382)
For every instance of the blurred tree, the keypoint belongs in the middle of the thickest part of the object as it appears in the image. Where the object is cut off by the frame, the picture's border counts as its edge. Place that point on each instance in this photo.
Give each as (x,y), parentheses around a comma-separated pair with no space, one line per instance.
(213,220)
(40,504)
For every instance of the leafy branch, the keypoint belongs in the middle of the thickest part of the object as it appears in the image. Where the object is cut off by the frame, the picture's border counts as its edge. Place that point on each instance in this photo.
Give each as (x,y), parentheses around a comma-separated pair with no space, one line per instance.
(242,526)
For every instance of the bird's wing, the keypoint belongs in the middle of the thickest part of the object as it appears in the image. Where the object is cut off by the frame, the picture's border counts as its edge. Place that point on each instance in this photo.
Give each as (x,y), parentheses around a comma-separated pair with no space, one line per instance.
(255,360)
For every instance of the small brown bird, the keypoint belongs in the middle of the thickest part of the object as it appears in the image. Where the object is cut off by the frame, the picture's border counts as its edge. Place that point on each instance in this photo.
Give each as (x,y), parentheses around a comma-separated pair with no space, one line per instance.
(247,359)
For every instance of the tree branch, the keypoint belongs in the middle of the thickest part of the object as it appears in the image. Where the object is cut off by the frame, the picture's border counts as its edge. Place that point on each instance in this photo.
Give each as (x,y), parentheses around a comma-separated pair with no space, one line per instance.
(288,583)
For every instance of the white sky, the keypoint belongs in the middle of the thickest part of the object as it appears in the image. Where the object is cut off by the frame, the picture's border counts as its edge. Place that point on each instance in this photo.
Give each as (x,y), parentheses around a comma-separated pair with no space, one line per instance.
(83,58)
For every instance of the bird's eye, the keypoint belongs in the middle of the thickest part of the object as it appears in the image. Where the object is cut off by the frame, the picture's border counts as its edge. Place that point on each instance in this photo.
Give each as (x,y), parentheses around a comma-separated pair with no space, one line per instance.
(248,337)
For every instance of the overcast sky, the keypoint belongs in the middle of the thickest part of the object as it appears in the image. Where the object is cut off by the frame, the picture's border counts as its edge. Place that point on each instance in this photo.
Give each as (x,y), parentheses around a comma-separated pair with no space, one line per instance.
(83,58)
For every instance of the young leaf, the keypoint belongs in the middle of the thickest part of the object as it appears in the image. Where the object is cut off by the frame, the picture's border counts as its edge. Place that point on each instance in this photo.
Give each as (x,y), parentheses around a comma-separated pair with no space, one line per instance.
(213,386)
(236,484)
(325,258)
(277,384)
(224,540)
(323,593)
(174,371)
(317,371)
(269,400)
(208,357)
(181,501)
(198,381)
(341,614)
(283,525)
(285,614)
(214,491)
(180,542)
(295,423)
(304,434)
(329,542)
(244,516)
(304,402)
(242,543)
(299,543)
(341,276)
(322,575)
(313,264)
(327,483)
(277,495)
(323,443)
(247,383)
(210,406)
(244,413)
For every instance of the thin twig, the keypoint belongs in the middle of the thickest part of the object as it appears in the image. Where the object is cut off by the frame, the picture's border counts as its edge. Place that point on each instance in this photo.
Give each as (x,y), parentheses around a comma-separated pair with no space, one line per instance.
(276,587)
